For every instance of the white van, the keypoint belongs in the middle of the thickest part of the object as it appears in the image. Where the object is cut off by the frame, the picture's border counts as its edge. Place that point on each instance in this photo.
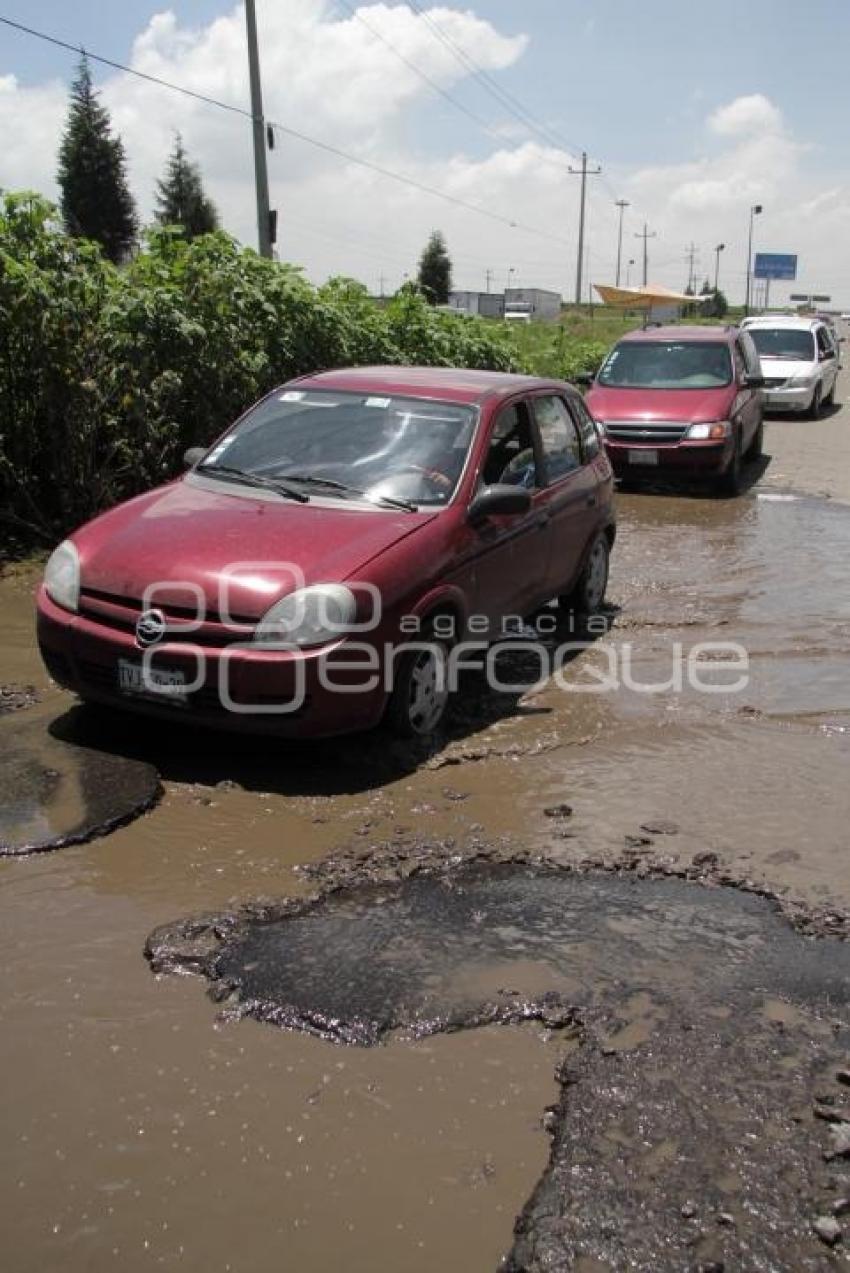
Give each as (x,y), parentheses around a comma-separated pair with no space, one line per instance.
(799,362)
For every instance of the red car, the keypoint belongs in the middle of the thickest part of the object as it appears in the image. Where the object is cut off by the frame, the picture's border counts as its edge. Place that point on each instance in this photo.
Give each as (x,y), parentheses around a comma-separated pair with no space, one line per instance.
(682,402)
(316,568)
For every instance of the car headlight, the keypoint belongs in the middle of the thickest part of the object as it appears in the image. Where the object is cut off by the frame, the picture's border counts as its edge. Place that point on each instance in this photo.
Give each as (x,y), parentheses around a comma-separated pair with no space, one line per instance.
(802,380)
(62,576)
(714,432)
(600,428)
(309,616)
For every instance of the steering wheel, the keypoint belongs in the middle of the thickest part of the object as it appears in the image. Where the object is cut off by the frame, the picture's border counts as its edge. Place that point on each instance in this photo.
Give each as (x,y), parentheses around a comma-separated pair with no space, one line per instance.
(435,476)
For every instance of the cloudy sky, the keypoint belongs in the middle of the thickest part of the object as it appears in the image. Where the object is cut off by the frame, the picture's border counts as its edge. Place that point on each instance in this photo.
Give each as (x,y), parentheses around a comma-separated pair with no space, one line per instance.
(693,113)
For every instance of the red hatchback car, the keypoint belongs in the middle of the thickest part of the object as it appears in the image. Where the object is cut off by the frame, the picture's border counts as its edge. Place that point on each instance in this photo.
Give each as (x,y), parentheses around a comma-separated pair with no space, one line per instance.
(314,569)
(681,401)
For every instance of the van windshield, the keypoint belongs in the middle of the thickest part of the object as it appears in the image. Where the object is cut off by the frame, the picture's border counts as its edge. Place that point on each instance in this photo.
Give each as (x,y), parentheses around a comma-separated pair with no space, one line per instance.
(784,342)
(667,364)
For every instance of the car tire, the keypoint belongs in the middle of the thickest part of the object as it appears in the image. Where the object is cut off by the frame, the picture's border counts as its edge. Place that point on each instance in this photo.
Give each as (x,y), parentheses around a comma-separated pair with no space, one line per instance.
(815,404)
(829,400)
(588,593)
(756,447)
(729,482)
(417,704)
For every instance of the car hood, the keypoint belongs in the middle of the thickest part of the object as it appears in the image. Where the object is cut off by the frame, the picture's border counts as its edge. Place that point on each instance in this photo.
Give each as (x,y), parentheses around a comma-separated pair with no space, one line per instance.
(774,368)
(691,406)
(186,538)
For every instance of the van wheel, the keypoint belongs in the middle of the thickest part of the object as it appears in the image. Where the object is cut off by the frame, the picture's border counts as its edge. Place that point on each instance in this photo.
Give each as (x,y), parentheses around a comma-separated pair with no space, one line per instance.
(829,400)
(815,405)
(420,694)
(756,447)
(588,595)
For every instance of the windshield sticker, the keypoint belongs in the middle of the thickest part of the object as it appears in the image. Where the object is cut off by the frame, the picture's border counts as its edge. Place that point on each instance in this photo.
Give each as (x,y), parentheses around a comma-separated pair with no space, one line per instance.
(383,403)
(292,395)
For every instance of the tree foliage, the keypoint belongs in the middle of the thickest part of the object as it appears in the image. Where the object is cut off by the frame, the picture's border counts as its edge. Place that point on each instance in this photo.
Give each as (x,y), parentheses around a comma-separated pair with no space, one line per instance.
(107,375)
(435,270)
(180,199)
(95,198)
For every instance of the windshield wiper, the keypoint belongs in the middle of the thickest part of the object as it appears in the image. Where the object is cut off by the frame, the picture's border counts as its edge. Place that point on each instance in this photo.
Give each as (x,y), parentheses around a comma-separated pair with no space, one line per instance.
(254,479)
(332,484)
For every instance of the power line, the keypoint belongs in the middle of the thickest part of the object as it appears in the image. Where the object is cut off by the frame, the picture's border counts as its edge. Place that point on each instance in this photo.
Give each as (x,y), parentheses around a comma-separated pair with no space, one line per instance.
(289,132)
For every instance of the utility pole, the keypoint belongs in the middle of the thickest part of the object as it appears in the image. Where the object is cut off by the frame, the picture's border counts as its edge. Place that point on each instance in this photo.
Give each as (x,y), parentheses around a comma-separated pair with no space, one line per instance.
(645,234)
(622,204)
(488,274)
(583,173)
(381,281)
(261,176)
(691,254)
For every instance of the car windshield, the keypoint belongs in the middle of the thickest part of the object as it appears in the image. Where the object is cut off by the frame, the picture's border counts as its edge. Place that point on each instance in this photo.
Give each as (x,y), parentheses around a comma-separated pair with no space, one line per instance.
(784,342)
(667,364)
(351,445)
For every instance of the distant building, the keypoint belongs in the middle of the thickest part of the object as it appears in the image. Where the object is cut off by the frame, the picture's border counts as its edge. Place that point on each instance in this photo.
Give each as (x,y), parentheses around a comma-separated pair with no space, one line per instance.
(535,301)
(484,304)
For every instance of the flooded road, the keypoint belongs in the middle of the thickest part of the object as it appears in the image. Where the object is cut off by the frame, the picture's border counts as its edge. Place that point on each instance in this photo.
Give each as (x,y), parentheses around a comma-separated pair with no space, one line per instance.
(141,1132)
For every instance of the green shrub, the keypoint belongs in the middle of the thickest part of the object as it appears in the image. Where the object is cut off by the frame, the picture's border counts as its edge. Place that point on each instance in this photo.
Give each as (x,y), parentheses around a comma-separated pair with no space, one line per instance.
(107,375)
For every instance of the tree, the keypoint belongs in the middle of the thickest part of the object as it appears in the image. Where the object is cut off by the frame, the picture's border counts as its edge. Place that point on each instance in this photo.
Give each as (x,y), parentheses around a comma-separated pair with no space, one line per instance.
(96,202)
(435,270)
(180,196)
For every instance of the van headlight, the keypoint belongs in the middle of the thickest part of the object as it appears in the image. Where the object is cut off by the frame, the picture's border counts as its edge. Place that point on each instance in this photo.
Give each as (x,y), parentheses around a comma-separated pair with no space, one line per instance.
(714,432)
(802,380)
(62,576)
(308,616)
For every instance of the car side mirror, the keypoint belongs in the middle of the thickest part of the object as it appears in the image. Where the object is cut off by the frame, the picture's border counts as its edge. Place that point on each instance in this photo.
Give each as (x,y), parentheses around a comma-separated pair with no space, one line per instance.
(753,382)
(193,456)
(584,378)
(500,500)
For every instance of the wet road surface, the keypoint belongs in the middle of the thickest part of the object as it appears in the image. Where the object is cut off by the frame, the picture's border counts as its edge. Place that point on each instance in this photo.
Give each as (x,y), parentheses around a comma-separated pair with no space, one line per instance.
(139,1133)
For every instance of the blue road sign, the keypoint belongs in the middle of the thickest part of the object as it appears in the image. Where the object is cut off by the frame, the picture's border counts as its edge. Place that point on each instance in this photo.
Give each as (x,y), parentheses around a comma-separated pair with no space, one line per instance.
(775,265)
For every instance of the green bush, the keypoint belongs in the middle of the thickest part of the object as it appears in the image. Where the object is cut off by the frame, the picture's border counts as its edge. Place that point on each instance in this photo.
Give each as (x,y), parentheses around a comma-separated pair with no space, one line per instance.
(107,375)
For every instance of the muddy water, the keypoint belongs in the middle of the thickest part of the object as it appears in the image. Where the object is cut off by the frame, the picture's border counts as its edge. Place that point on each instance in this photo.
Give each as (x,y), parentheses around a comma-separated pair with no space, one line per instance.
(130,1118)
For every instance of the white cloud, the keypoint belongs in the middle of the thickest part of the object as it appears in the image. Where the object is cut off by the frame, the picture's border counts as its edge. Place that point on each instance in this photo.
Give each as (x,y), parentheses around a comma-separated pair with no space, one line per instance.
(745,115)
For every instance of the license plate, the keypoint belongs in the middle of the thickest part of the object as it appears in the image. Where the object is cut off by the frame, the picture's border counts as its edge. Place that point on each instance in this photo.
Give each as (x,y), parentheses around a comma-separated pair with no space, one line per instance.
(158,682)
(643,457)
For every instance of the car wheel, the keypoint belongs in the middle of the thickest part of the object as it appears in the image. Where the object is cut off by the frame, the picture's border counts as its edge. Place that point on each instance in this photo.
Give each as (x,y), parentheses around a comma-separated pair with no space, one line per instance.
(829,400)
(756,447)
(588,595)
(420,694)
(729,482)
(815,405)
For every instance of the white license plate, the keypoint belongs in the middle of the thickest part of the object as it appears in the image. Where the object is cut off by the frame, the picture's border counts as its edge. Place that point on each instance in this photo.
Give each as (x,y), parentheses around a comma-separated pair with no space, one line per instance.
(643,457)
(159,682)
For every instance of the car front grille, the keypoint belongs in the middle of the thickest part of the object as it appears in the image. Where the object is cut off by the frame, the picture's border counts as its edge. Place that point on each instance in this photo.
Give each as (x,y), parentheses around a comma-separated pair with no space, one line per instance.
(121,614)
(648,432)
(774,382)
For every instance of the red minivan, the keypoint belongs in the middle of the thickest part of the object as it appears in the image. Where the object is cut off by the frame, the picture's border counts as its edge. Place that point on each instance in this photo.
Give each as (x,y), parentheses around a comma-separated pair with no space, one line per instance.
(681,401)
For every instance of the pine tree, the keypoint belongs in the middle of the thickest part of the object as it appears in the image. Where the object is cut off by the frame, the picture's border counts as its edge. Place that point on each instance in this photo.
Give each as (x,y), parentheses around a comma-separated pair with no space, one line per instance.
(95,199)
(435,270)
(180,196)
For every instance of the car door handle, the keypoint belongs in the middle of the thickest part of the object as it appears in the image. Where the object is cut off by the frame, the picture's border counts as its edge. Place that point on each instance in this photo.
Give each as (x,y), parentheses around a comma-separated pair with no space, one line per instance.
(543,520)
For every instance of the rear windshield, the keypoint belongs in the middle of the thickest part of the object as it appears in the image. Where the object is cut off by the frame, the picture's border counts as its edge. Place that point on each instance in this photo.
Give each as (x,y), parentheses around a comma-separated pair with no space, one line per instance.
(783,342)
(667,364)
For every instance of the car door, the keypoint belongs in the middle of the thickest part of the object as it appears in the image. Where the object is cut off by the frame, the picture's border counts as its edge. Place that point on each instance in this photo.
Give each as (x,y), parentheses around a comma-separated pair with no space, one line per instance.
(569,498)
(505,558)
(828,359)
(749,402)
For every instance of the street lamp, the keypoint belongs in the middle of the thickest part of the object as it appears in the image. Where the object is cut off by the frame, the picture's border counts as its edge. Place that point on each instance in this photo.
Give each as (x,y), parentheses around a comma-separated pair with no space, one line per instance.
(755,211)
(717,252)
